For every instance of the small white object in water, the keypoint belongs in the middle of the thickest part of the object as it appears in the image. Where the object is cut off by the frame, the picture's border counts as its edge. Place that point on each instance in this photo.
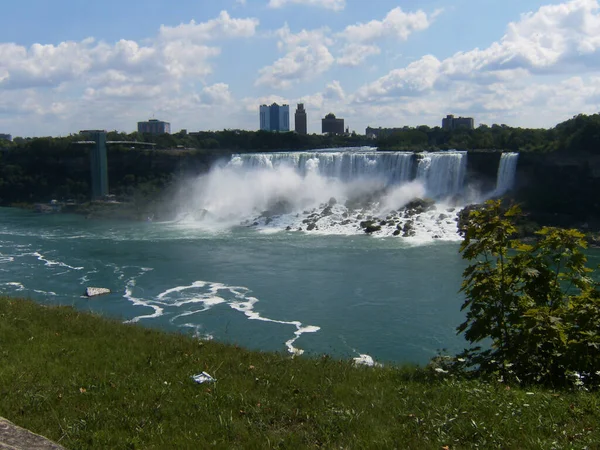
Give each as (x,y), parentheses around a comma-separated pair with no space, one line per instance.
(94,291)
(203,378)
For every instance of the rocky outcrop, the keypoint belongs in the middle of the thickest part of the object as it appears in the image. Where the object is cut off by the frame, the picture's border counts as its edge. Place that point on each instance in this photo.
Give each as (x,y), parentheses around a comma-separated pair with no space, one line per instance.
(13,437)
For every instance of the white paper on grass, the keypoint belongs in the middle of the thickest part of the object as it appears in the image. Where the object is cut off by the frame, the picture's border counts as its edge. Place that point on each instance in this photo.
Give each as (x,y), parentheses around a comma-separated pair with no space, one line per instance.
(203,378)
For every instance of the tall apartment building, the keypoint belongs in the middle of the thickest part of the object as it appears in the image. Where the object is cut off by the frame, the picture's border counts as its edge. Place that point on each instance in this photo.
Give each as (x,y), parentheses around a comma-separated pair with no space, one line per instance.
(454,123)
(275,117)
(300,119)
(154,126)
(5,137)
(331,125)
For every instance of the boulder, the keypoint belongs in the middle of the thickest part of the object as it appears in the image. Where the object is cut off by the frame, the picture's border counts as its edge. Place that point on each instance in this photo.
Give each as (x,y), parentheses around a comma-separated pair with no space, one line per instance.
(311,226)
(96,291)
(372,228)
(396,232)
(327,211)
(332,201)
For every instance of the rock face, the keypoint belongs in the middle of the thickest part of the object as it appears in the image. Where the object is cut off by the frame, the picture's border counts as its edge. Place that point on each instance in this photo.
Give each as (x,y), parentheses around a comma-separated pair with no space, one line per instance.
(95,291)
(16,438)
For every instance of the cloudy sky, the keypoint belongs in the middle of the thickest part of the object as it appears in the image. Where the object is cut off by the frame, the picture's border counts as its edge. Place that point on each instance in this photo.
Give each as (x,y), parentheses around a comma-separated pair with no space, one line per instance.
(67,65)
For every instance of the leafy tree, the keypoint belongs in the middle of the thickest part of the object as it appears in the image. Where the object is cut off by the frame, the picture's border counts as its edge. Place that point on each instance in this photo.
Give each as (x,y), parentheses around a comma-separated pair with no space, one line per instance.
(535,304)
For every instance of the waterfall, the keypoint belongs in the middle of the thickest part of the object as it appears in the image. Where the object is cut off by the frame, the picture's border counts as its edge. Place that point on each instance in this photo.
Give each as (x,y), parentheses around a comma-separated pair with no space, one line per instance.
(506,173)
(390,167)
(442,172)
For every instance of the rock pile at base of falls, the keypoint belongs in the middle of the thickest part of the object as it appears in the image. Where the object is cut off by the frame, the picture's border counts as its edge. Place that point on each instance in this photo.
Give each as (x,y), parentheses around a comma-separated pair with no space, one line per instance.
(420,218)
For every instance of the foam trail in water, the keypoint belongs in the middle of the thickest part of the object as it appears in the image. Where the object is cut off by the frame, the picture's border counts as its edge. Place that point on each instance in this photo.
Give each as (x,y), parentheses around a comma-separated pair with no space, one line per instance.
(208,295)
(49,262)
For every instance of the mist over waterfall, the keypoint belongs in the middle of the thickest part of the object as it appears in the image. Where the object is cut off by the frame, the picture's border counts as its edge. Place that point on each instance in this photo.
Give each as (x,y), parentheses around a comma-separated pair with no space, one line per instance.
(507,170)
(341,191)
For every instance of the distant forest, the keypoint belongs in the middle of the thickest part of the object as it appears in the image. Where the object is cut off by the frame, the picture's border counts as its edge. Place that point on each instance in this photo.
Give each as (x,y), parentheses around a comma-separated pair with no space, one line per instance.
(579,134)
(40,169)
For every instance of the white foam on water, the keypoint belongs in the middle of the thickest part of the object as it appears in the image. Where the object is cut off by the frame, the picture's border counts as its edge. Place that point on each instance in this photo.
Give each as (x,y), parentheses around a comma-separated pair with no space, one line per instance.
(15,284)
(6,259)
(53,294)
(49,262)
(208,295)
(158,311)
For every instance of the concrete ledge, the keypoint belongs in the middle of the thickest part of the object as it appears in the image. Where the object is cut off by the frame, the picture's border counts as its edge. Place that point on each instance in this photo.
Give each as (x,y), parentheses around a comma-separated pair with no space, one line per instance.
(13,437)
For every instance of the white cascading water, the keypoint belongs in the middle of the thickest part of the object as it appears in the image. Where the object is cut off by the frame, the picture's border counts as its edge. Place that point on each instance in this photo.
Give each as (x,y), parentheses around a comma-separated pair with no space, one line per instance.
(332,192)
(507,170)
(443,173)
(388,167)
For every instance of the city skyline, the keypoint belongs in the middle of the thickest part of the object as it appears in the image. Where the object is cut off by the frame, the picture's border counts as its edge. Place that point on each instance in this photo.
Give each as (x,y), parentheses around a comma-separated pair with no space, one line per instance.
(207,65)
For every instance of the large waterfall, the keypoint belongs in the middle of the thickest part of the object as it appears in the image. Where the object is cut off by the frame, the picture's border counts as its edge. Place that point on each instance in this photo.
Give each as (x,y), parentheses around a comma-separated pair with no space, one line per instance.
(338,191)
(506,173)
(442,173)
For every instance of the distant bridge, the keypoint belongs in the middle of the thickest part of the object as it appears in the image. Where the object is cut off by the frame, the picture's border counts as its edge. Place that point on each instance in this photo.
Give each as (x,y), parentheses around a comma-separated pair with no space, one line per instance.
(141,144)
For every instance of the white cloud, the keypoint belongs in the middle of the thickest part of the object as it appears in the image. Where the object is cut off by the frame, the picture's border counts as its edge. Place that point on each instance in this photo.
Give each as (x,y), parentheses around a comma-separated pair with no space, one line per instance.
(180,51)
(353,55)
(556,39)
(216,94)
(224,26)
(334,91)
(397,24)
(307,57)
(417,78)
(335,5)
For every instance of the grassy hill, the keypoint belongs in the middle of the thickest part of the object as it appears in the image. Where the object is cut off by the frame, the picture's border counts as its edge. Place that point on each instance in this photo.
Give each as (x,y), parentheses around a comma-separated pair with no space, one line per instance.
(89,382)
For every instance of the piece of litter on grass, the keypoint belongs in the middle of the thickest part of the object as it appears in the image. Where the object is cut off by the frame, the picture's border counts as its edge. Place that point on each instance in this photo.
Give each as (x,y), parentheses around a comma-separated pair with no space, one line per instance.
(203,378)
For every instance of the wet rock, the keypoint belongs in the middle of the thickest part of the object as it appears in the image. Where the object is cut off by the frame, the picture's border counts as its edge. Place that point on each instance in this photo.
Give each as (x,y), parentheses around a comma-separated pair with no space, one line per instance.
(382,223)
(396,233)
(268,220)
(95,291)
(288,228)
(443,216)
(332,201)
(437,236)
(366,223)
(420,205)
(359,217)
(255,224)
(372,228)
(327,211)
(311,226)
(346,222)
(345,215)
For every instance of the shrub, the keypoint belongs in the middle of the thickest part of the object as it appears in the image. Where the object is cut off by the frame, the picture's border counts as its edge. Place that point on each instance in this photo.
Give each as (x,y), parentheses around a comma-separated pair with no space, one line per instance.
(535,304)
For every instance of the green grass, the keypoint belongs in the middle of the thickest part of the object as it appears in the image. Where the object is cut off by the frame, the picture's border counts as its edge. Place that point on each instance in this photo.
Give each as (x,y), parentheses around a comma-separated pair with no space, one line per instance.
(88,382)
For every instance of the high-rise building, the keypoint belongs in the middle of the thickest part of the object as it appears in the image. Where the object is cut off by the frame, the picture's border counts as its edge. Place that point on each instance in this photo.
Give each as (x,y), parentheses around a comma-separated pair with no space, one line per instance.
(154,126)
(331,125)
(454,123)
(5,137)
(300,119)
(275,117)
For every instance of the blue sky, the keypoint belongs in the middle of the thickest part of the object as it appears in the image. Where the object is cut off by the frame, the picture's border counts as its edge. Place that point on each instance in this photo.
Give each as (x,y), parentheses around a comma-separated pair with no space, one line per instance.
(67,65)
